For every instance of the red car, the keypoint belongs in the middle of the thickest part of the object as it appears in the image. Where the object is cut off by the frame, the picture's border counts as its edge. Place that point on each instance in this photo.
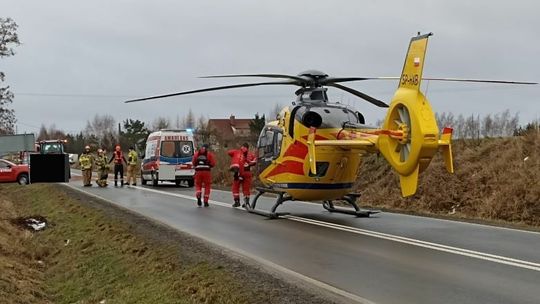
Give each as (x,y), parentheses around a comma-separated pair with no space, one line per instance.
(10,172)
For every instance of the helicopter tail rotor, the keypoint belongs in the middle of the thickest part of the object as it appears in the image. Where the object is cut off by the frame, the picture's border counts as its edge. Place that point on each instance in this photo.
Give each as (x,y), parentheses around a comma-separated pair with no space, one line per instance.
(411,139)
(411,136)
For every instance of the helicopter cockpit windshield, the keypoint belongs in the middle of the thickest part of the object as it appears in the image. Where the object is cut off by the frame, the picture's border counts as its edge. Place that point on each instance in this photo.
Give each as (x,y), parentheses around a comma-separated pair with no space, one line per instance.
(327,117)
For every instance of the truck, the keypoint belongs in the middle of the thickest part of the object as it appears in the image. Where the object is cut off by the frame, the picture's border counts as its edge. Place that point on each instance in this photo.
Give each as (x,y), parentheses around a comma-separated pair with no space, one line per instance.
(167,157)
(38,161)
(50,163)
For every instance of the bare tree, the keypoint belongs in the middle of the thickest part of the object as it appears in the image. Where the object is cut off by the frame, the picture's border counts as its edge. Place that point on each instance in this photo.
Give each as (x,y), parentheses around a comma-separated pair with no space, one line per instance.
(459,129)
(275,111)
(103,129)
(512,125)
(178,123)
(445,120)
(8,39)
(487,126)
(50,133)
(43,133)
(203,132)
(190,120)
(161,123)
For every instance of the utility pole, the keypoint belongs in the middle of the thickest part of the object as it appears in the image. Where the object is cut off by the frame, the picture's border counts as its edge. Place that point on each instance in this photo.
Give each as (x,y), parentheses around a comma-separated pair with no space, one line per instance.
(119,132)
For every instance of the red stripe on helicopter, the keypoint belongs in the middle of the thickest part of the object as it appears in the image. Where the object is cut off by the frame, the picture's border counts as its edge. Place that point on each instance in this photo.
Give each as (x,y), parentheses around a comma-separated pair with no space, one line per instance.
(288,166)
(297,149)
(447,130)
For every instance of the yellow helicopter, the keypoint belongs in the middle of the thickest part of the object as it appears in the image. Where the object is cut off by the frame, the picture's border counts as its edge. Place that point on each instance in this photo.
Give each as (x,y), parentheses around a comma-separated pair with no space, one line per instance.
(313,151)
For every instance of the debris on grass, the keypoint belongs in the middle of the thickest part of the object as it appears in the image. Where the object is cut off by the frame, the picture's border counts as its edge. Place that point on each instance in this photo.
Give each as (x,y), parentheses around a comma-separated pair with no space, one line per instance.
(32,223)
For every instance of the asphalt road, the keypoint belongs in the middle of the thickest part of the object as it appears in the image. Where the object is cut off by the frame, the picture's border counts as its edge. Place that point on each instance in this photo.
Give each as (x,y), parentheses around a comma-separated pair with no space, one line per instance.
(389,258)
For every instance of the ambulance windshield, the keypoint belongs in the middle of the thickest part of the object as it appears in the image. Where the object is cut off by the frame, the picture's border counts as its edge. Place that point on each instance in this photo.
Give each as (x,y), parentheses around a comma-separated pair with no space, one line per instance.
(176,149)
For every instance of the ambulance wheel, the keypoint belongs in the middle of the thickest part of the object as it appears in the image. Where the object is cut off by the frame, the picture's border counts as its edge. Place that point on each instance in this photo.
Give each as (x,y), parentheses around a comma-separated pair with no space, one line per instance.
(177,183)
(190,183)
(155,179)
(143,181)
(22,179)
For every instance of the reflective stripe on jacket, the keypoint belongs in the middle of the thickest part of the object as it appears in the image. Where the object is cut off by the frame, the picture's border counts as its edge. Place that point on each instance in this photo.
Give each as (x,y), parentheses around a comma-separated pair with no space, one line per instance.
(132,158)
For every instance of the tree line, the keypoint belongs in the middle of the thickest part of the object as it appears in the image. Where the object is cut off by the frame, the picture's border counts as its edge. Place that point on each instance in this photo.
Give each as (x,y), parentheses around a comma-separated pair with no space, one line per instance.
(502,124)
(102,131)
(8,40)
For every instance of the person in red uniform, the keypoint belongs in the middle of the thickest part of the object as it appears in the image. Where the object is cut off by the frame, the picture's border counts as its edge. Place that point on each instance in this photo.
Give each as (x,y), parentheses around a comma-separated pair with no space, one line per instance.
(119,161)
(203,161)
(241,162)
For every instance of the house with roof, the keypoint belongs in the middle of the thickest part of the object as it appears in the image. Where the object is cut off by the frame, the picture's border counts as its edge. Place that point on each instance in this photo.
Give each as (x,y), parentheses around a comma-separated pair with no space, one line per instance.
(229,132)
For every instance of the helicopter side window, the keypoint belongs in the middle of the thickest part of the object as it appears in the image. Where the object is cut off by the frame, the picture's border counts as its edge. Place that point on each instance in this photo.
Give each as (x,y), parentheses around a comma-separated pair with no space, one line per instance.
(265,144)
(277,143)
(269,145)
(261,145)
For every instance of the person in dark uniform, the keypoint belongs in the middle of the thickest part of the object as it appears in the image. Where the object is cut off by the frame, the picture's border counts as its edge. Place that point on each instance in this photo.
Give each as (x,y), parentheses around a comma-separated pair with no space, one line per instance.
(119,161)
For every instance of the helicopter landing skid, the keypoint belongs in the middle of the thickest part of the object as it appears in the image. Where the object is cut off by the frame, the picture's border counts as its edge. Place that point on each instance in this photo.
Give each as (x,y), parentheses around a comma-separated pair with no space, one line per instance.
(351,200)
(250,207)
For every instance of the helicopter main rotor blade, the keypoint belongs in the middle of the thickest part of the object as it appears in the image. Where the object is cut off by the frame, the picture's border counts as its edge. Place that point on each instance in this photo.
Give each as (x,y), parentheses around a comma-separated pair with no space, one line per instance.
(360,94)
(244,85)
(330,80)
(465,80)
(257,75)
(481,80)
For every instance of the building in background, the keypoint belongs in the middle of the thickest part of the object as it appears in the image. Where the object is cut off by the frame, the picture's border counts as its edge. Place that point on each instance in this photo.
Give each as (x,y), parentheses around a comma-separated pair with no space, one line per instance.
(228,132)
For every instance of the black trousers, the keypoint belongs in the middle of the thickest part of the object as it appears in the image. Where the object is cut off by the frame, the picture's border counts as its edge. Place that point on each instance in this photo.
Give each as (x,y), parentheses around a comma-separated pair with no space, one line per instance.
(118,168)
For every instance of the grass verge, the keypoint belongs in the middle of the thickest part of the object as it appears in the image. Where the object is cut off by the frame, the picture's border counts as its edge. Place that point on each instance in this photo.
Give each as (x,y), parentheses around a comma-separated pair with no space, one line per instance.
(88,255)
(495,180)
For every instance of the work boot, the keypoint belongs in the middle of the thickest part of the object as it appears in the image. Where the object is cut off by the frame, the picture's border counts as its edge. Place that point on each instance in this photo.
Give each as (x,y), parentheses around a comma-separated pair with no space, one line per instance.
(199,202)
(246,202)
(206,204)
(236,202)
(134,184)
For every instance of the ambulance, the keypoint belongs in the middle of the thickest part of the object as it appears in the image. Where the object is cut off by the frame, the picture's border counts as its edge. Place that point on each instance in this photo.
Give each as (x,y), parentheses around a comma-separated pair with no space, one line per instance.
(167,157)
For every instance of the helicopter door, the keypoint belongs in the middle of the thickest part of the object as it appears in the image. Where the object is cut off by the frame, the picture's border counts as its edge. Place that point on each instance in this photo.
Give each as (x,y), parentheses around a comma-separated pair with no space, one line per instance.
(268,147)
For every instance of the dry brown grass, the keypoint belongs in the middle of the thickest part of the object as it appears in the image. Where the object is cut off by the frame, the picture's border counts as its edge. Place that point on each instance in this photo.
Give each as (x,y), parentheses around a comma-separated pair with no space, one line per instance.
(495,179)
(21,271)
(92,251)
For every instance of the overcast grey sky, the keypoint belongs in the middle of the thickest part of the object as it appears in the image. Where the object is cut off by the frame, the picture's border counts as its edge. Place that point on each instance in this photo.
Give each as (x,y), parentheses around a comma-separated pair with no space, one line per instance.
(95,54)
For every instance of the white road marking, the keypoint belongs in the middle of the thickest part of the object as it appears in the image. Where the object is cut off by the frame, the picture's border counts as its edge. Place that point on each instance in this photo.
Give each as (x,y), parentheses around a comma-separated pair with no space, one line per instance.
(255,258)
(424,244)
(430,218)
(423,217)
(390,237)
